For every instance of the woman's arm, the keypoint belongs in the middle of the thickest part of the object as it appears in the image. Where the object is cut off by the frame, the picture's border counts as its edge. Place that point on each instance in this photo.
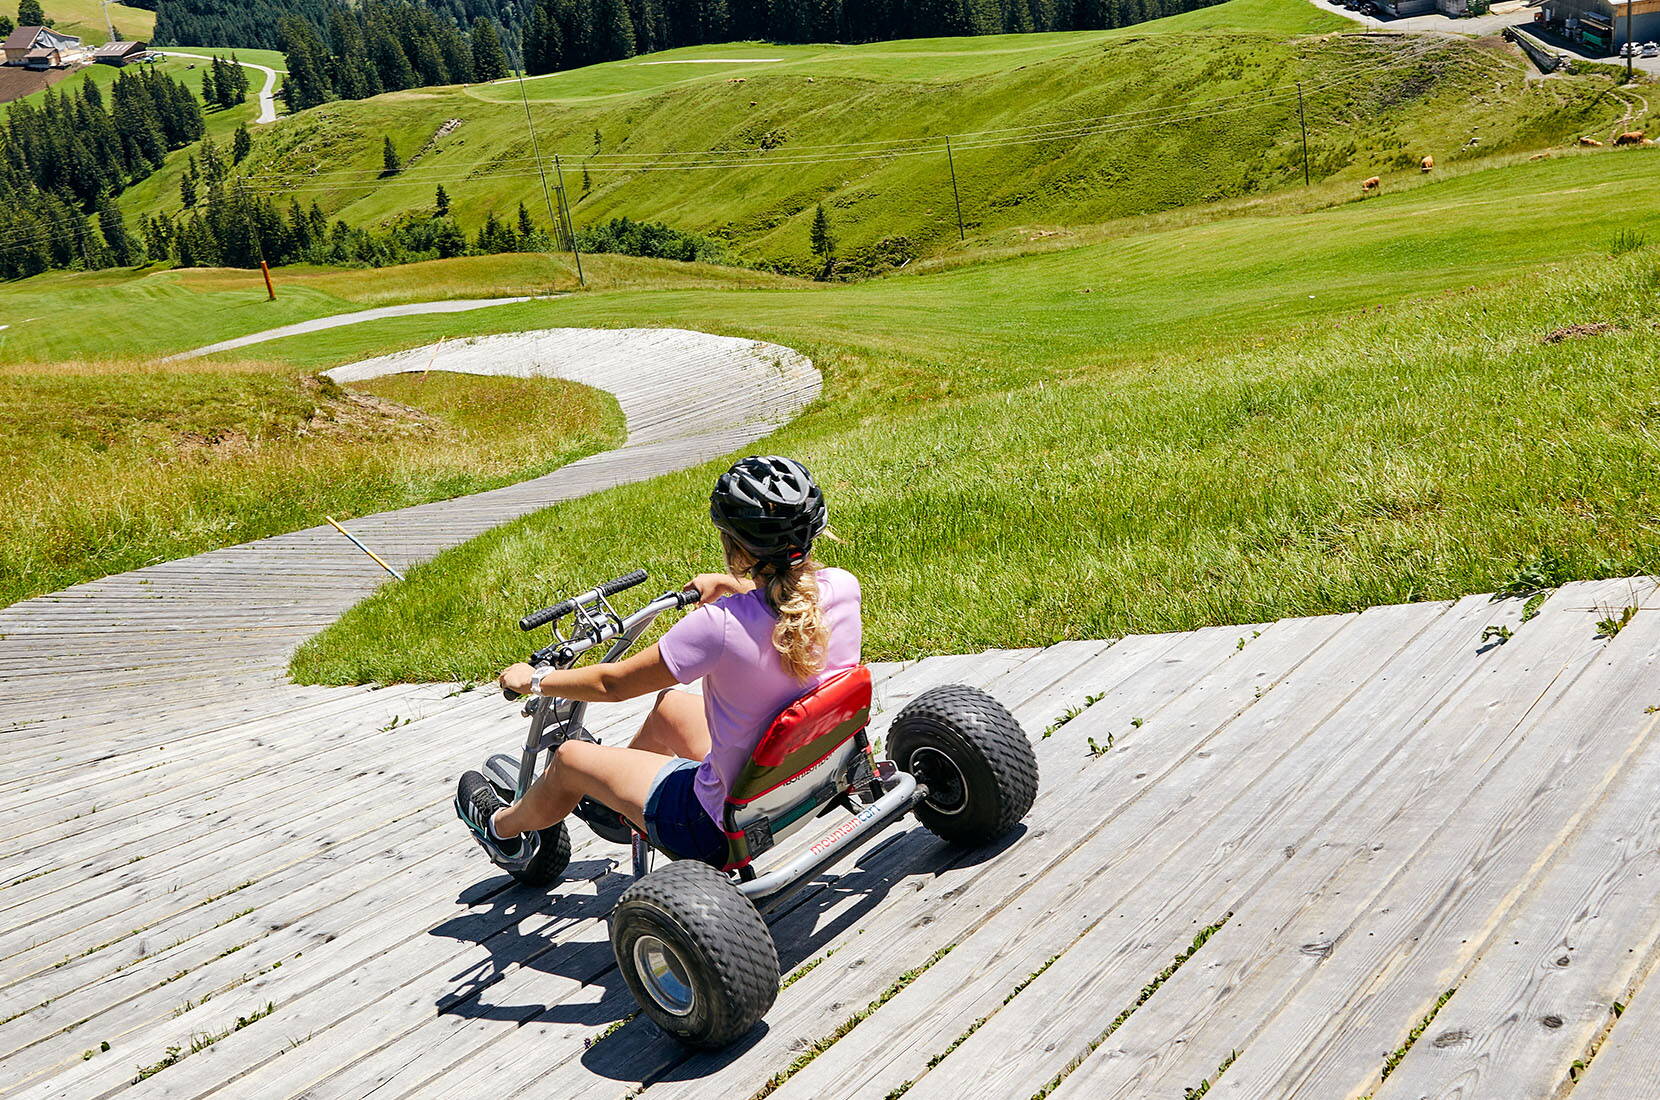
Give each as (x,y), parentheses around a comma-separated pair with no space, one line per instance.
(712,586)
(606,682)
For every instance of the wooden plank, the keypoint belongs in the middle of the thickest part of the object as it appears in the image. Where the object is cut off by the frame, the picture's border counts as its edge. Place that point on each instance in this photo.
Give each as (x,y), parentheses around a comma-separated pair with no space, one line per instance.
(1139,882)
(1436,913)
(875,943)
(1543,989)
(1209,1008)
(1629,1059)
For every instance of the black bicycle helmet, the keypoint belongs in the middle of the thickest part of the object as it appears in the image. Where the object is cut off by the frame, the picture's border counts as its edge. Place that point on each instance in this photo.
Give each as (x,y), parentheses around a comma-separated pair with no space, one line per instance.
(771,507)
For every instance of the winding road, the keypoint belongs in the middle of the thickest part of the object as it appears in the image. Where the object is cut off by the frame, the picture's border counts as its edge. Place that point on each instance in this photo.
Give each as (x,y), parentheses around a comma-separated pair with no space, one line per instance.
(267,94)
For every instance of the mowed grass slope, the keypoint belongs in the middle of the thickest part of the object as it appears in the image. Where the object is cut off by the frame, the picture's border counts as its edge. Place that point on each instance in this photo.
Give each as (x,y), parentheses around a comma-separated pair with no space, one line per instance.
(112,466)
(1161,115)
(1229,422)
(86,20)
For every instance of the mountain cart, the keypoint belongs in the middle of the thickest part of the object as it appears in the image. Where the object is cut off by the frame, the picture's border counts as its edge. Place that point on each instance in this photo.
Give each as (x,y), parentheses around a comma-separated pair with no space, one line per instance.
(689,937)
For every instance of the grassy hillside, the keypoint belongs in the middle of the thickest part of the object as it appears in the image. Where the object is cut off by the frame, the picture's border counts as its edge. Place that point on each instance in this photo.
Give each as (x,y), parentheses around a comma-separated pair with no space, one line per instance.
(1186,110)
(188,71)
(85,20)
(118,314)
(111,466)
(1235,421)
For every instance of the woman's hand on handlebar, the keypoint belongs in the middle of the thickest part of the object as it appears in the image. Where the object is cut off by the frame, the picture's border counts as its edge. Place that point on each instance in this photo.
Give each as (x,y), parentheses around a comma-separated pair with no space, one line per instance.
(712,586)
(516,678)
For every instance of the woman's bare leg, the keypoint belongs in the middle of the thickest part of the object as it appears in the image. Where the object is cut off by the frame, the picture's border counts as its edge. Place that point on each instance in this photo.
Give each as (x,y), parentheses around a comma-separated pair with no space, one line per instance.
(675,727)
(620,778)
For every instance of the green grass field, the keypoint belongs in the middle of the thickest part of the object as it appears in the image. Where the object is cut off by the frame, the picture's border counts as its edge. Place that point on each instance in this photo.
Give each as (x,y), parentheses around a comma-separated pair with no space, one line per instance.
(1257,400)
(1229,422)
(116,465)
(86,20)
(1189,110)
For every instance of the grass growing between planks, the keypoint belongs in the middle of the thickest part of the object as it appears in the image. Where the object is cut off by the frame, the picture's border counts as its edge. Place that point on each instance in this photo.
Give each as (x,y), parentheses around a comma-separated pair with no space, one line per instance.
(1215,433)
(1147,991)
(108,467)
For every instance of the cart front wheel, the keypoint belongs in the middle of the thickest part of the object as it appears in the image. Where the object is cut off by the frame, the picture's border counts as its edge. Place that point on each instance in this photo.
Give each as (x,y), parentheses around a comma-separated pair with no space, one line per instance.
(695,954)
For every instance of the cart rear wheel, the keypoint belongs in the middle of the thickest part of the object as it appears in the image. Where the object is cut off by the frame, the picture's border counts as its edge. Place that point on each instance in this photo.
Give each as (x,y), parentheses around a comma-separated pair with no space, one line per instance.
(695,954)
(978,765)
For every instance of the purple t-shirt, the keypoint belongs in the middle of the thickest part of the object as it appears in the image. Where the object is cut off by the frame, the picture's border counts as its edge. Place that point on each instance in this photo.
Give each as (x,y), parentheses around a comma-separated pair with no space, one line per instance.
(728,644)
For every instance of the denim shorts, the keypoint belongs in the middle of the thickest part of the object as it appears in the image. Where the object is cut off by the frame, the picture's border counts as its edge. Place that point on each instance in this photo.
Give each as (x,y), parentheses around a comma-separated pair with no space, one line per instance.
(676,821)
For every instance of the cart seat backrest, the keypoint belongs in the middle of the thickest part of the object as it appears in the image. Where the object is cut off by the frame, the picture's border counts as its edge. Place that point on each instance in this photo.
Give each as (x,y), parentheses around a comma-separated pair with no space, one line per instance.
(807,746)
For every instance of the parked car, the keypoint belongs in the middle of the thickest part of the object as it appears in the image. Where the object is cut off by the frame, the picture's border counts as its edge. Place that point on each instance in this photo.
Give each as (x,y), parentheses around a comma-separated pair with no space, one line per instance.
(1651,49)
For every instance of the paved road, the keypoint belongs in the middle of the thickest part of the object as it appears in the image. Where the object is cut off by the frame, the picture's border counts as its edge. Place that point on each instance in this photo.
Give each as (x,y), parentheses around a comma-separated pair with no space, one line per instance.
(407,309)
(267,94)
(1473,27)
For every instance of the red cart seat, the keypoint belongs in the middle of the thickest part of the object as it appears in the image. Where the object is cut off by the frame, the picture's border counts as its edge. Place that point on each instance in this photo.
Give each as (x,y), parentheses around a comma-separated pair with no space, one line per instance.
(813,752)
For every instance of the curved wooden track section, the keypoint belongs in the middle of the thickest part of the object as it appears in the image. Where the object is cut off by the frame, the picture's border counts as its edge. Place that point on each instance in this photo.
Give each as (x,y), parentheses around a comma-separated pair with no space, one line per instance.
(156,641)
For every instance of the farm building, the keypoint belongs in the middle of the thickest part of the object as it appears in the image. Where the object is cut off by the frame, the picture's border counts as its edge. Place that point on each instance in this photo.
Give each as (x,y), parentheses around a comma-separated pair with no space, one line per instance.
(1603,25)
(121,53)
(37,47)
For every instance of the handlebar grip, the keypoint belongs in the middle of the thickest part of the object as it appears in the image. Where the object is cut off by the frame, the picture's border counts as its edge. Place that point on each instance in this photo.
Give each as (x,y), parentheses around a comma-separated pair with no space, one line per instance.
(510,695)
(546,615)
(564,607)
(627,580)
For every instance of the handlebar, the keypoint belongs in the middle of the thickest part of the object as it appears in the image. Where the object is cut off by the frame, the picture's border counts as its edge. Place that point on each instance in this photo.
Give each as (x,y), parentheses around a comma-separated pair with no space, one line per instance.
(565,607)
(563,654)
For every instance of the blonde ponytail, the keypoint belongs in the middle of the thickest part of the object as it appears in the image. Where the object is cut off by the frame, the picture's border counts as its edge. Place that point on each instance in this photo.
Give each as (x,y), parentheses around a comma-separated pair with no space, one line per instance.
(801,636)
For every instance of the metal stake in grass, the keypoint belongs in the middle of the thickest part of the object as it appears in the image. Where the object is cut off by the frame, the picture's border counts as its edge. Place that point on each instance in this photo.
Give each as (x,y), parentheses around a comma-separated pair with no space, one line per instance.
(951,163)
(1302,121)
(376,558)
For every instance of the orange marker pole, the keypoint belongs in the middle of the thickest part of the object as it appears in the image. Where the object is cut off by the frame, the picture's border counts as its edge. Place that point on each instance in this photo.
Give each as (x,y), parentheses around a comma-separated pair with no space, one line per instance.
(270,291)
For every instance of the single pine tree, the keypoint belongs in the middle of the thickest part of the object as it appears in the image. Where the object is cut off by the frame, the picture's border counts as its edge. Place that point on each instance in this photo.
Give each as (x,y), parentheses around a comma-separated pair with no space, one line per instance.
(242,143)
(391,165)
(441,202)
(823,242)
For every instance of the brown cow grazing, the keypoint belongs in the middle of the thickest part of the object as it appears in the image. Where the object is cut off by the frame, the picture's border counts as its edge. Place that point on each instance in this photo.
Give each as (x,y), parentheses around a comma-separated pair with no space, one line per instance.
(1630,137)
(1539,156)
(1371,184)
(1590,141)
(1426,164)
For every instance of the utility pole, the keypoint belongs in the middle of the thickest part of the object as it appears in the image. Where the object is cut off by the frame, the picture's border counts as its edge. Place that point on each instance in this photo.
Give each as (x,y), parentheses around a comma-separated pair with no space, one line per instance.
(541,170)
(570,229)
(1630,45)
(1302,121)
(955,197)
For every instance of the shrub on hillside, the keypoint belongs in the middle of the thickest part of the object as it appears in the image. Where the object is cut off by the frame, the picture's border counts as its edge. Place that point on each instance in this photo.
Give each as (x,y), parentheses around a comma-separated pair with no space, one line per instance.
(654,239)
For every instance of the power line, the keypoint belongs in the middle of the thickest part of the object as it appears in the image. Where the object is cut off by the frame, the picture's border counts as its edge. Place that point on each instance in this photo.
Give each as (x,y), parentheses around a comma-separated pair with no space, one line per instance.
(885,148)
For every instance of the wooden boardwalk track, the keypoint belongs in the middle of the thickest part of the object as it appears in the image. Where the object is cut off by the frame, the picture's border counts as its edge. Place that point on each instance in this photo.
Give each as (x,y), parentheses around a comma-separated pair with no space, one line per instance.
(1364,821)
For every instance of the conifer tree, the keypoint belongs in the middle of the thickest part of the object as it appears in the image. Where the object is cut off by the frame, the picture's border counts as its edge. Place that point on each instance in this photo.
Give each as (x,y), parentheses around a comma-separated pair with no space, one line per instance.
(242,143)
(489,60)
(823,241)
(441,202)
(29,14)
(114,228)
(391,164)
